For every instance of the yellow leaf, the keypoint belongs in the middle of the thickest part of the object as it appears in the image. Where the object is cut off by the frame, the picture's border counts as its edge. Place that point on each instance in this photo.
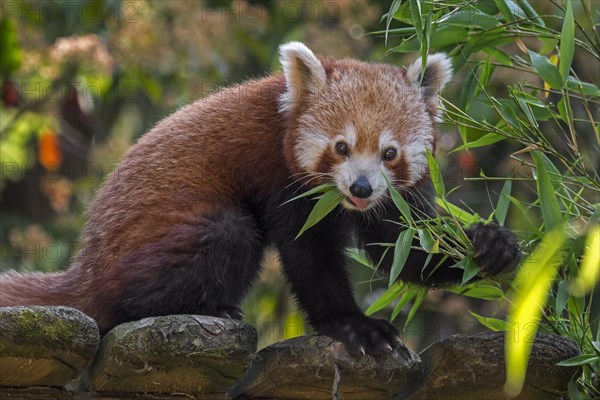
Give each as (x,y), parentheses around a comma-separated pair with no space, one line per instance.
(590,265)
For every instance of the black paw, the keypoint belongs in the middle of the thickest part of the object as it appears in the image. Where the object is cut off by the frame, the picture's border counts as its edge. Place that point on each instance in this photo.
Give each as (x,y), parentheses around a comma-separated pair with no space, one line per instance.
(361,334)
(496,248)
(230,312)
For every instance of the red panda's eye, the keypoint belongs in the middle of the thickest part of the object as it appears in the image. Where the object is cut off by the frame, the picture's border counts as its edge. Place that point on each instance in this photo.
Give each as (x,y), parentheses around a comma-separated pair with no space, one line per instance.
(389,154)
(341,148)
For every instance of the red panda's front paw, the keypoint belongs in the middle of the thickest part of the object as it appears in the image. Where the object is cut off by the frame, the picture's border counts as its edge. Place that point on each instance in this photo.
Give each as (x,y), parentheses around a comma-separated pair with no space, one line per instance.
(361,334)
(496,248)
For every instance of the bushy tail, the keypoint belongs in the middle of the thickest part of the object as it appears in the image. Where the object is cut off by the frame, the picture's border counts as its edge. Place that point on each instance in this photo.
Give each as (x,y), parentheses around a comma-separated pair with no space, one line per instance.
(40,289)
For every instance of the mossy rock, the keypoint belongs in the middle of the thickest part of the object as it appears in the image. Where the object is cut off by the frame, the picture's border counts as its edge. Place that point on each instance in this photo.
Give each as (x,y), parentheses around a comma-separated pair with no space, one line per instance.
(472,367)
(186,354)
(317,367)
(44,346)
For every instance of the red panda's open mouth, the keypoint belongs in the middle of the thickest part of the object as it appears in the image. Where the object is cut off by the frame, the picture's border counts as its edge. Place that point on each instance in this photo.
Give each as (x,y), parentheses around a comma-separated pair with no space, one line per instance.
(357,202)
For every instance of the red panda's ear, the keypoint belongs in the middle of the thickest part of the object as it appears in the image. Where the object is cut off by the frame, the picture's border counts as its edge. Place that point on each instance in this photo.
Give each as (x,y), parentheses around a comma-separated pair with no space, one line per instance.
(304,73)
(438,72)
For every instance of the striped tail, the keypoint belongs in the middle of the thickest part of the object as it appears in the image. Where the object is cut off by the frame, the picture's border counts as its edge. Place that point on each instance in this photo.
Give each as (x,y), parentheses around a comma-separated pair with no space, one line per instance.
(40,289)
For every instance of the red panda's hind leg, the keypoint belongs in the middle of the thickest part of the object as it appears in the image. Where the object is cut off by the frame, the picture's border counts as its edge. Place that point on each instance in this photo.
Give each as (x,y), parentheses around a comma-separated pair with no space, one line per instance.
(204,266)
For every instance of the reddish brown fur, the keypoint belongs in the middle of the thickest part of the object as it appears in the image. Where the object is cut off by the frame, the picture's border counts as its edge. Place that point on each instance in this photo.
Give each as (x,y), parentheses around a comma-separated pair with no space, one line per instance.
(207,156)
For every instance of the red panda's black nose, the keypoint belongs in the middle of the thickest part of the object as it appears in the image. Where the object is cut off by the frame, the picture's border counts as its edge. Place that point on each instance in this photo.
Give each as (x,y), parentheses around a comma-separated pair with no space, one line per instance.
(361,187)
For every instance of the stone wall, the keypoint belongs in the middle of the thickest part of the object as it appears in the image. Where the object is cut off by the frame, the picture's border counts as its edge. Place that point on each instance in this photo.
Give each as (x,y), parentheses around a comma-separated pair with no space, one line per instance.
(57,353)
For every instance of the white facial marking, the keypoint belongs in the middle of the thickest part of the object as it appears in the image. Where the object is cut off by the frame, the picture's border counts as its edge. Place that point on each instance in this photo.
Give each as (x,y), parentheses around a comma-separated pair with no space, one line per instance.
(310,146)
(388,139)
(414,153)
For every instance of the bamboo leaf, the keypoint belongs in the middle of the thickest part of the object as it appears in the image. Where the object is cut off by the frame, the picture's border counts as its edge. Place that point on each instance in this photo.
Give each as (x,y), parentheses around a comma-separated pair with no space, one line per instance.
(548,71)
(478,291)
(470,268)
(588,89)
(484,78)
(390,15)
(493,324)
(427,242)
(422,292)
(500,56)
(485,140)
(567,42)
(386,298)
(590,270)
(582,359)
(548,201)
(401,251)
(326,203)
(406,297)
(471,18)
(436,175)
(531,294)
(399,202)
(463,216)
(562,296)
(319,189)
(503,202)
(360,256)
(415,10)
(530,12)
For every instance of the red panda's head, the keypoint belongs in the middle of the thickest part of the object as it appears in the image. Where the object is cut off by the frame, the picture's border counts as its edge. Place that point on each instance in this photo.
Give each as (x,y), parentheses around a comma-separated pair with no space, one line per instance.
(352,122)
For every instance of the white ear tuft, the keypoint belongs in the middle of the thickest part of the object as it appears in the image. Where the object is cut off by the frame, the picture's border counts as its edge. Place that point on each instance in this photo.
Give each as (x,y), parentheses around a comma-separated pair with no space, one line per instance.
(304,73)
(438,72)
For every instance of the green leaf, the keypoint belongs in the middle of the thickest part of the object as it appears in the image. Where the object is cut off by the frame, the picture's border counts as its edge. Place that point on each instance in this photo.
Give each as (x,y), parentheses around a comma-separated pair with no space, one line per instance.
(530,12)
(406,297)
(401,251)
(415,10)
(326,203)
(463,216)
(582,359)
(548,71)
(478,291)
(485,140)
(548,47)
(548,201)
(510,10)
(500,56)
(319,189)
(441,37)
(588,89)
(503,202)
(386,298)
(565,110)
(471,18)
(562,296)
(470,268)
(360,256)
(436,175)
(567,42)
(390,15)
(428,243)
(467,94)
(399,202)
(493,324)
(422,292)
(589,272)
(484,78)
(531,284)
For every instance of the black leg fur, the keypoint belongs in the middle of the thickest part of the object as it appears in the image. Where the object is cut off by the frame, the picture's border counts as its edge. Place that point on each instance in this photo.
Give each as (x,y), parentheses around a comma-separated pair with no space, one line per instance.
(315,267)
(204,266)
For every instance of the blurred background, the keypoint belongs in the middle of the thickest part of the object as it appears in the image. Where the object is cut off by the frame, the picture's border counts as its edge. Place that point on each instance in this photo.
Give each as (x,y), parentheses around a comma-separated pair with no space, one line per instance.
(81,81)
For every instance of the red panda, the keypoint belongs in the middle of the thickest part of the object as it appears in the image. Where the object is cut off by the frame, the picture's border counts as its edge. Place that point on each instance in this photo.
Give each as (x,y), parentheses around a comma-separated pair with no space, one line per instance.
(181,225)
